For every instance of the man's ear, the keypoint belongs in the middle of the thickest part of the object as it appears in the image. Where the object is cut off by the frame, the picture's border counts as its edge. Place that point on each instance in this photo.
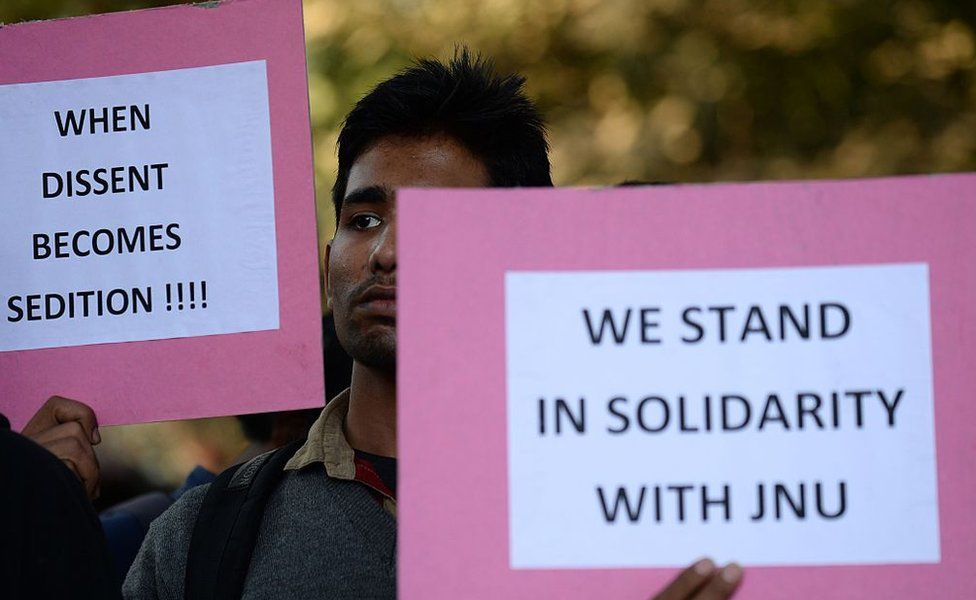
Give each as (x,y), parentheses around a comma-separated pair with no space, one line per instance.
(325,274)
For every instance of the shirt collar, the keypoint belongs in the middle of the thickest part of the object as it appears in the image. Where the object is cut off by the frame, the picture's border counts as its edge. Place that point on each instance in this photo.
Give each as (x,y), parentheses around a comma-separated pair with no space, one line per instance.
(326,442)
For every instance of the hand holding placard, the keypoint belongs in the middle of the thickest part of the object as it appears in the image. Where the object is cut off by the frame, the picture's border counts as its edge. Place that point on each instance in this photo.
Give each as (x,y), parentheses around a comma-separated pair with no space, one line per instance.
(68,430)
(703,581)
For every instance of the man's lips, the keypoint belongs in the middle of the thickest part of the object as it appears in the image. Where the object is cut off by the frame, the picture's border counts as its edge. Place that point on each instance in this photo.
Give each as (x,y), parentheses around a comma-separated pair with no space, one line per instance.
(380,300)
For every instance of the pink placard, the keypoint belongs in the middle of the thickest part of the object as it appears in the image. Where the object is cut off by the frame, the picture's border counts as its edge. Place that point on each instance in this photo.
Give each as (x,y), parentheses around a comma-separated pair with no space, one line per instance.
(455,248)
(190,377)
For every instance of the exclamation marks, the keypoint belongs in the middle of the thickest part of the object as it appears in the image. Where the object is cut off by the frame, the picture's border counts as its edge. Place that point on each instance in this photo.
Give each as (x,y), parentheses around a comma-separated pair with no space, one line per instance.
(193,299)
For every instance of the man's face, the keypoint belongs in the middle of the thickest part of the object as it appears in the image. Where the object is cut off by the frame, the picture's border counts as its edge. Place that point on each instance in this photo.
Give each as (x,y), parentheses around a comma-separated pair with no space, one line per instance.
(361,258)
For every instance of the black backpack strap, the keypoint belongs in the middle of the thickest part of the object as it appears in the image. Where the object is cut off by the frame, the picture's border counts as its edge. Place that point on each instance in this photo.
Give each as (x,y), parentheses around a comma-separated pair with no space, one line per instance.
(227,526)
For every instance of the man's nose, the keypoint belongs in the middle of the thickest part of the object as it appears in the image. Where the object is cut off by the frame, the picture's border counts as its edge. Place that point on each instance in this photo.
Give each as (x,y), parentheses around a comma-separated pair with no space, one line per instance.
(383,257)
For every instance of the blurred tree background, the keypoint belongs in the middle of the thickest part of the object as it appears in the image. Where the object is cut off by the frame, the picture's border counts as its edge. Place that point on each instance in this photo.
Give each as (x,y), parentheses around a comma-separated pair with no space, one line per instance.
(672,90)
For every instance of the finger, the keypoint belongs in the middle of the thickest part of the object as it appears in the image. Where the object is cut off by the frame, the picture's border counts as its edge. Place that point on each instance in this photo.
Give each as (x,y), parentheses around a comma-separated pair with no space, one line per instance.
(688,581)
(69,442)
(59,410)
(72,467)
(82,458)
(722,585)
(66,410)
(72,429)
(80,453)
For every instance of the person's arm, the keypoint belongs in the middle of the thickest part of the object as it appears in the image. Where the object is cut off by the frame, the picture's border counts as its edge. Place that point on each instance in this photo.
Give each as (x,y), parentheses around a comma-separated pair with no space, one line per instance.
(703,581)
(68,429)
(52,545)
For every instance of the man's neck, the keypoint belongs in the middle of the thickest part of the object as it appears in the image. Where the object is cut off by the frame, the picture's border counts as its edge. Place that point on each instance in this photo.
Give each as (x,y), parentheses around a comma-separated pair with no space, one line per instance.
(371,421)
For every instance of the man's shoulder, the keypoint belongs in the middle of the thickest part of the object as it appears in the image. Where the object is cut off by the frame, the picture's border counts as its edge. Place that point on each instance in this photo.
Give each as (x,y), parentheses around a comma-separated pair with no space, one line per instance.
(178,519)
(174,528)
(307,514)
(159,569)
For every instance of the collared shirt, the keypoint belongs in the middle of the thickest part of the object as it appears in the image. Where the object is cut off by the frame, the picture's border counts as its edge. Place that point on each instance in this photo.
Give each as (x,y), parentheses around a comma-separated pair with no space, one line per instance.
(326,444)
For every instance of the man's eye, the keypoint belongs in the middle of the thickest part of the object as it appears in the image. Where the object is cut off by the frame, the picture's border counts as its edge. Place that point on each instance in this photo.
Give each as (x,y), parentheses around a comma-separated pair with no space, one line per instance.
(364,221)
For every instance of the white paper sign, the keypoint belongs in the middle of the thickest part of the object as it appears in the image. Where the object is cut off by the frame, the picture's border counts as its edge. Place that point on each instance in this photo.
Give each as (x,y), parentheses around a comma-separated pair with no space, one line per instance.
(137,207)
(770,416)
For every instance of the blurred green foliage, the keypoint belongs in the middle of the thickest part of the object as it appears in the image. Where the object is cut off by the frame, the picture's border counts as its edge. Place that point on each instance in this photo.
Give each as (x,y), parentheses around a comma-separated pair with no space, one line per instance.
(671,90)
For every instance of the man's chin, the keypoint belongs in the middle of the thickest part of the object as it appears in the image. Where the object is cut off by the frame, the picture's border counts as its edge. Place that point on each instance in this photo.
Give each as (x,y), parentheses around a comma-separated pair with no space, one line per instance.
(385,362)
(377,351)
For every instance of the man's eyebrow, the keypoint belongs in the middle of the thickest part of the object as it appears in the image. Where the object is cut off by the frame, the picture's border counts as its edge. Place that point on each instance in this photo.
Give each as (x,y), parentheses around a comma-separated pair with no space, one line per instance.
(374,194)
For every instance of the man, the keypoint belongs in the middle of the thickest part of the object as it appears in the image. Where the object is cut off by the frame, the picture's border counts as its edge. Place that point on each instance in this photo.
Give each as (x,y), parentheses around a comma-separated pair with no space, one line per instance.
(329,527)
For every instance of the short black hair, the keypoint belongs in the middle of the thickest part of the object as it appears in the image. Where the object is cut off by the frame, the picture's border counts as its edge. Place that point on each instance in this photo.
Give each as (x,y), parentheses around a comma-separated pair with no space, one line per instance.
(490,115)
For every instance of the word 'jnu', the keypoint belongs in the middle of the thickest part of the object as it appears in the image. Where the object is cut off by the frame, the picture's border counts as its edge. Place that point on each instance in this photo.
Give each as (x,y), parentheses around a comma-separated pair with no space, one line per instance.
(679,503)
